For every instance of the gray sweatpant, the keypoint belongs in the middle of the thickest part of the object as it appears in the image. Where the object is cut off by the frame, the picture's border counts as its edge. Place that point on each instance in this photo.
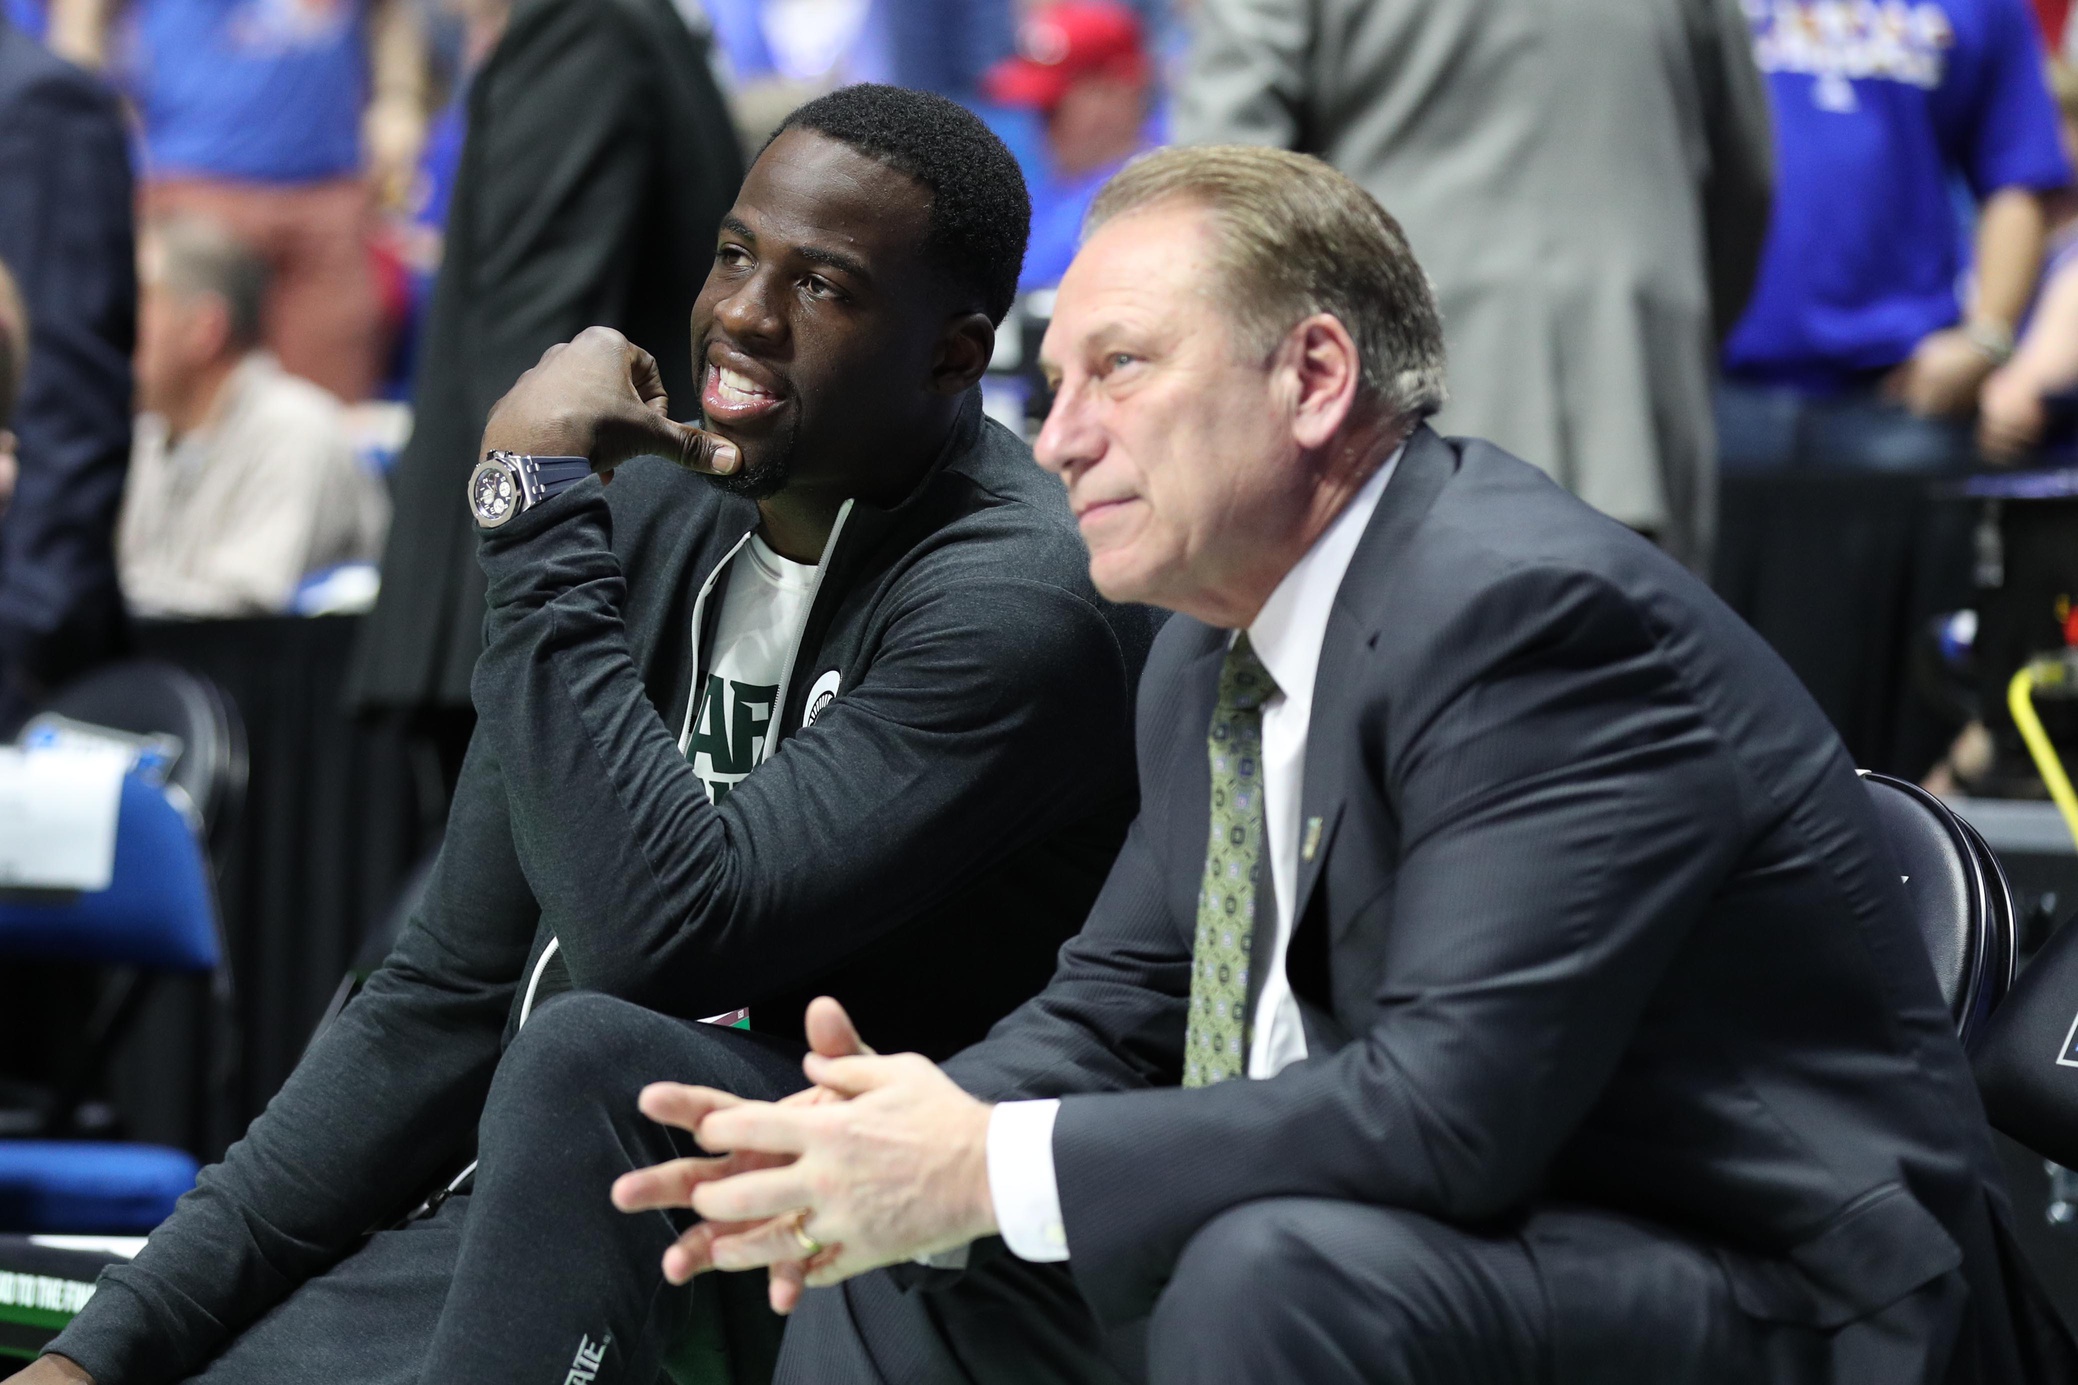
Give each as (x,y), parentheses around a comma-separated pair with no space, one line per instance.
(533,1276)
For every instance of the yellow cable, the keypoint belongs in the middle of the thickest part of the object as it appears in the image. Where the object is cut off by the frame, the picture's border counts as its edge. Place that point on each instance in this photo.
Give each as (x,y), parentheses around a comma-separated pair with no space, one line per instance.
(2020,700)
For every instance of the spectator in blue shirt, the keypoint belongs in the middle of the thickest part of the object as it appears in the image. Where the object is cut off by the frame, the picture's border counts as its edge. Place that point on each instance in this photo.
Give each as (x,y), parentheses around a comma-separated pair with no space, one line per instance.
(27,15)
(281,120)
(1863,346)
(928,45)
(1083,66)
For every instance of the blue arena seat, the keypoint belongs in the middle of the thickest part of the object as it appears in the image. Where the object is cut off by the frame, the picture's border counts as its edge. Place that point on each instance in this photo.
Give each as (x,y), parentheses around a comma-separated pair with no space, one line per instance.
(157,916)
(86,1186)
(158,912)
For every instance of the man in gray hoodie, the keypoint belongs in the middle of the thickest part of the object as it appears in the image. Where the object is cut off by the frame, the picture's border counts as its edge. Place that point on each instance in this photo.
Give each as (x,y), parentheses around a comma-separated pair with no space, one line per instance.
(846,718)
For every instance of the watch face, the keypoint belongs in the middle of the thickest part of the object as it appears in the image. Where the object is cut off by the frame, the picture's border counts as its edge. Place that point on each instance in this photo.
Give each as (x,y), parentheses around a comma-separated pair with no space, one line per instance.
(493,493)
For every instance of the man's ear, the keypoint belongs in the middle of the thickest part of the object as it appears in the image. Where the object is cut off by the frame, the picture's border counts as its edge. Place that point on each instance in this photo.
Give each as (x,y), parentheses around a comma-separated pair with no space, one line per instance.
(963,354)
(1325,375)
(210,327)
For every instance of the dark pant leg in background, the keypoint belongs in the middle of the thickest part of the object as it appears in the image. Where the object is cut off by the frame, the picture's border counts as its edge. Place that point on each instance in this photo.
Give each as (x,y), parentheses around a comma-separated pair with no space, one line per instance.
(1773,428)
(1865,432)
(550,1278)
(1756,427)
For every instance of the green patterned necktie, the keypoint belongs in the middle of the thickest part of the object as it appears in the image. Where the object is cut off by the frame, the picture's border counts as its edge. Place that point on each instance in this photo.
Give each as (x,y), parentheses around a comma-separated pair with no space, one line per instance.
(1215,1042)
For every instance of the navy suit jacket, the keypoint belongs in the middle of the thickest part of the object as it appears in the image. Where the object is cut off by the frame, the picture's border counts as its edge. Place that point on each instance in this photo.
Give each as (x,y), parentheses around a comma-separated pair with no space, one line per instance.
(65,234)
(1597,911)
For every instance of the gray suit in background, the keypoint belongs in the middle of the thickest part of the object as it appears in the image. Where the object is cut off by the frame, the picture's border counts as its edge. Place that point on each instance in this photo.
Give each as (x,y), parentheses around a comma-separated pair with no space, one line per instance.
(1586,183)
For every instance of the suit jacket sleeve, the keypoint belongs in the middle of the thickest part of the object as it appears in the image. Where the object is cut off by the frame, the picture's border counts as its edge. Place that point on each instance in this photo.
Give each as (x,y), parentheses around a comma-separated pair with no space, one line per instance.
(1564,812)
(1739,182)
(382,1106)
(908,784)
(65,234)
(1247,82)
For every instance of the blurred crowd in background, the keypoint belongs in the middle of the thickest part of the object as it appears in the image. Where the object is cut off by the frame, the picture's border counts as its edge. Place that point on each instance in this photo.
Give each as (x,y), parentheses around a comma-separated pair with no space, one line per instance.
(276,258)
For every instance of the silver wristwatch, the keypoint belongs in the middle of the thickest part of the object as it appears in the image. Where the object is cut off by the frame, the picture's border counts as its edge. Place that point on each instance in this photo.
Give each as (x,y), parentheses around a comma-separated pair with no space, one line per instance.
(505,483)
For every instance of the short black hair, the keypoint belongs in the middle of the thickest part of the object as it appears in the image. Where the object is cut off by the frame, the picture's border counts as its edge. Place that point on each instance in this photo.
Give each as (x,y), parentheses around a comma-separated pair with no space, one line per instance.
(981,214)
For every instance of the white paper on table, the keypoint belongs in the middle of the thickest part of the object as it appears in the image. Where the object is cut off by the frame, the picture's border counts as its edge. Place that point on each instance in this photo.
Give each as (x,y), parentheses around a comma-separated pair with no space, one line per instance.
(125,1246)
(57,816)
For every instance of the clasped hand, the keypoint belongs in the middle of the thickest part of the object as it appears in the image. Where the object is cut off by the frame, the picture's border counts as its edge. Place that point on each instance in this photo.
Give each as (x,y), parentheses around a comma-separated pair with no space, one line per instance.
(882,1160)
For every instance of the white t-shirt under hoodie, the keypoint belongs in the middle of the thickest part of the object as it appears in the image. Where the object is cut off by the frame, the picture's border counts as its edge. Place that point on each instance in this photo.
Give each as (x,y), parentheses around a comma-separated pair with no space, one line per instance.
(763,608)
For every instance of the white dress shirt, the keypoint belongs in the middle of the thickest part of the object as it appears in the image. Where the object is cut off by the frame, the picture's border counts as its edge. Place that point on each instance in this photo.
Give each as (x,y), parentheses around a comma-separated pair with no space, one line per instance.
(1287,635)
(228,520)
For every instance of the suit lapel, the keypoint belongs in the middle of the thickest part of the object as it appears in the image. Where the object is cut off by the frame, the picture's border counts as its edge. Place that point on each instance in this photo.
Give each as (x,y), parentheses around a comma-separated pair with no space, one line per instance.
(1425,467)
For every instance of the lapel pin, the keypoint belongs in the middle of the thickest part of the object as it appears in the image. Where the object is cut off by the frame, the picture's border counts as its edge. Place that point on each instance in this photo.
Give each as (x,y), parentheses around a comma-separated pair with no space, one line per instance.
(1312,842)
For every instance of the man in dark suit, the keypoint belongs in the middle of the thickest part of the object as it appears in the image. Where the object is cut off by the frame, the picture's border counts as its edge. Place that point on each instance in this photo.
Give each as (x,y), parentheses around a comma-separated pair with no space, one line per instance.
(598,162)
(1586,1031)
(65,232)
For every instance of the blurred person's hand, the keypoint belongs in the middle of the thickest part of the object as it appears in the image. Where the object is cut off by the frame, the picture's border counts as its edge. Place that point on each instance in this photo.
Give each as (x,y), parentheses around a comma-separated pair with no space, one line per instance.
(393,126)
(1943,375)
(600,397)
(10,468)
(50,1370)
(2010,415)
(394,134)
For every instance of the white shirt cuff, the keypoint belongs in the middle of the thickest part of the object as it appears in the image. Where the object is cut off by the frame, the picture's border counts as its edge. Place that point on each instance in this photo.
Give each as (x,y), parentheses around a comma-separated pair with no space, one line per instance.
(1020,1180)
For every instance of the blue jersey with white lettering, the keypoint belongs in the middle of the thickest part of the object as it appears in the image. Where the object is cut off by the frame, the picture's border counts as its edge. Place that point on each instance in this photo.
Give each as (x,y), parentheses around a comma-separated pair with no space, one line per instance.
(1880,106)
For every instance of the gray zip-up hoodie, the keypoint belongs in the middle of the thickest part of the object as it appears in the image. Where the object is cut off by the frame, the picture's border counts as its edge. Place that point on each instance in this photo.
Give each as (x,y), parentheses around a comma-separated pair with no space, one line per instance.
(919,848)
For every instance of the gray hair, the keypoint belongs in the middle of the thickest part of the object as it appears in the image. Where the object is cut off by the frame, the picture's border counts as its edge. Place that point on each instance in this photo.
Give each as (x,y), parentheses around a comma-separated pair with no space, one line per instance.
(14,345)
(1297,238)
(199,256)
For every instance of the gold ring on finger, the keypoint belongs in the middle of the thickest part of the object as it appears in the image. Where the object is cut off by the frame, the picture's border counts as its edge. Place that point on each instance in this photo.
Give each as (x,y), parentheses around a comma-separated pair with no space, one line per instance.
(810,1247)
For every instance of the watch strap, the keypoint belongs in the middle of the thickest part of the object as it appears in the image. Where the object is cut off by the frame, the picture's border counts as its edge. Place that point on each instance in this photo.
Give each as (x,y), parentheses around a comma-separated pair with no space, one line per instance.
(555,474)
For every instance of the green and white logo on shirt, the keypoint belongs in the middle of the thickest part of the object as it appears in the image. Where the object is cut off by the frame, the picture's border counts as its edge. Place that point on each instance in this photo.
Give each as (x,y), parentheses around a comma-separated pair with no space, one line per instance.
(729,732)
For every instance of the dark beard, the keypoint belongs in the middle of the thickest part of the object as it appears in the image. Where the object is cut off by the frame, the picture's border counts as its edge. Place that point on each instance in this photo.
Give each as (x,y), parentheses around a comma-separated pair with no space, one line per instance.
(754,483)
(762,480)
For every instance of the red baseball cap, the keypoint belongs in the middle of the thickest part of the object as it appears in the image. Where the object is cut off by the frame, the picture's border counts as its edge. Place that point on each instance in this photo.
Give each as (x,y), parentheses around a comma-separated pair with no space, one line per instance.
(1060,43)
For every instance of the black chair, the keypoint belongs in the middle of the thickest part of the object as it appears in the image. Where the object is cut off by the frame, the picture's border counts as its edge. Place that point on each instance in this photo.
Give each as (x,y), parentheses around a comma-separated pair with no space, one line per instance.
(2027,1059)
(152,697)
(1959,896)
